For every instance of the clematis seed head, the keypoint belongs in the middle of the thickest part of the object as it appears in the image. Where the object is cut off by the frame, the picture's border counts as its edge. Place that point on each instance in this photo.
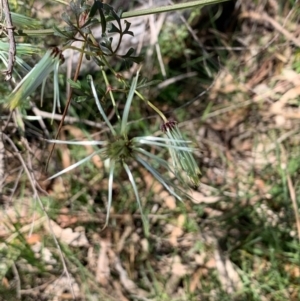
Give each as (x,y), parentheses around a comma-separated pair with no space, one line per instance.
(181,153)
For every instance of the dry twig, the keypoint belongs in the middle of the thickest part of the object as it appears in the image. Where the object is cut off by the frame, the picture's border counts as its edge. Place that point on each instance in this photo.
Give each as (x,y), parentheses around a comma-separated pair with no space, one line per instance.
(264,17)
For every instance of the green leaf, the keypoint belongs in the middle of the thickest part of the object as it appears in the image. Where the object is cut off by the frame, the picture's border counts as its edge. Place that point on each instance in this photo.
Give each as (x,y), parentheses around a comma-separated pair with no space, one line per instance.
(81,98)
(111,14)
(145,84)
(66,18)
(98,61)
(168,8)
(114,29)
(89,23)
(128,57)
(93,9)
(74,85)
(86,30)
(78,8)
(126,31)
(98,6)
(102,20)
(24,22)
(135,59)
(129,53)
(68,34)
(107,44)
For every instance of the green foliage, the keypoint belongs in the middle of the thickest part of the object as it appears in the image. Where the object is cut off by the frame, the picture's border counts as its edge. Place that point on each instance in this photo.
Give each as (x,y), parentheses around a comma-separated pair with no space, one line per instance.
(171,33)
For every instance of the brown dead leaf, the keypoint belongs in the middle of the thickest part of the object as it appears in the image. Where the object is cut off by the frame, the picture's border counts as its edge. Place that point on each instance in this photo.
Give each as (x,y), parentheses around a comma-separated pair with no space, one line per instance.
(261,73)
(127,283)
(59,189)
(261,185)
(278,106)
(65,219)
(291,76)
(4,282)
(118,289)
(292,270)
(103,270)
(228,276)
(195,280)
(67,235)
(169,200)
(177,231)
(177,273)
(199,198)
(122,239)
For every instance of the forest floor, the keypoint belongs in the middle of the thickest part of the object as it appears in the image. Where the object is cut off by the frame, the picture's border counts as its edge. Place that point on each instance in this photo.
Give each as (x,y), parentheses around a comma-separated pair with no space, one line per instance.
(236,237)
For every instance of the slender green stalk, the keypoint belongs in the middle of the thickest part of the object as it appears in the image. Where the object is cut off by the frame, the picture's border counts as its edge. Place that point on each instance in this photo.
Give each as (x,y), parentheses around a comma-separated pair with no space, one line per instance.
(128,105)
(110,92)
(168,8)
(130,14)
(150,104)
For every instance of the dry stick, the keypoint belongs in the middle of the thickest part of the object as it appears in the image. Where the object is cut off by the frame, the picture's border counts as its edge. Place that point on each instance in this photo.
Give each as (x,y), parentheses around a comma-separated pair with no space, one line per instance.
(175,79)
(68,119)
(36,197)
(12,43)
(294,202)
(67,105)
(275,24)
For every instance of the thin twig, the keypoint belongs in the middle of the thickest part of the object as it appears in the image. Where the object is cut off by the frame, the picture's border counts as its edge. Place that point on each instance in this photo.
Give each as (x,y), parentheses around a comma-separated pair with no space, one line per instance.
(173,80)
(12,43)
(155,27)
(67,104)
(68,119)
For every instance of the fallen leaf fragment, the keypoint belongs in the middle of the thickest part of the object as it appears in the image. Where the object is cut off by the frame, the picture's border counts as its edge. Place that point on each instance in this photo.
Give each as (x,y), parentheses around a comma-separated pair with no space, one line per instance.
(67,235)
(103,270)
(228,276)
